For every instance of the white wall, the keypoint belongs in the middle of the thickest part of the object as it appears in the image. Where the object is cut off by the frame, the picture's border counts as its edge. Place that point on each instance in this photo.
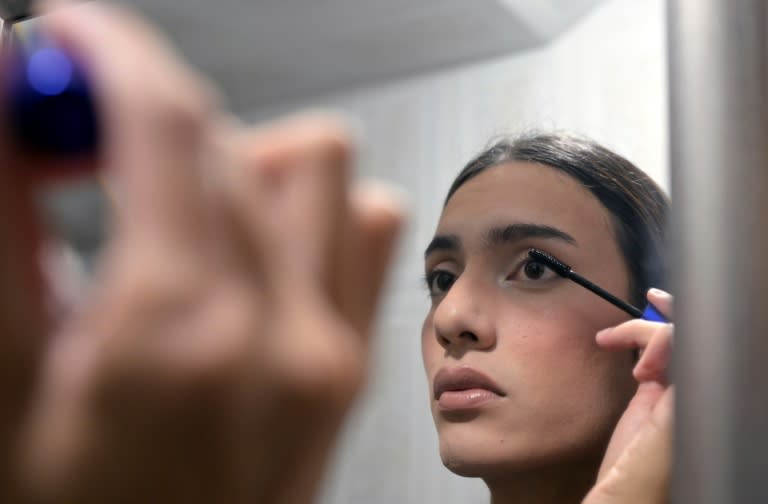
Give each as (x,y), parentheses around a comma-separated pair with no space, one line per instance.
(606,78)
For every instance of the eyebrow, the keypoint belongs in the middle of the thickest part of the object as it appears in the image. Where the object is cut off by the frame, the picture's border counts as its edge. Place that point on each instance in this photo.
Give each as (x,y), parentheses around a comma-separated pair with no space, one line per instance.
(449,243)
(519,231)
(502,235)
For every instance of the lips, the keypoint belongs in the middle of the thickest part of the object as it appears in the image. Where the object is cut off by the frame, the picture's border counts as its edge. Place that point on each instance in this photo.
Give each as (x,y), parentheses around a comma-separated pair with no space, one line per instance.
(464,388)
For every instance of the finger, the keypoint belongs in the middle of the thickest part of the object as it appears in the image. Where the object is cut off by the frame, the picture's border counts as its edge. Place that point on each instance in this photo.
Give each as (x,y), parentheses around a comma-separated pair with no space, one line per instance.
(652,338)
(293,199)
(21,282)
(642,472)
(664,411)
(637,413)
(661,300)
(635,333)
(23,320)
(153,115)
(654,361)
(378,216)
(318,172)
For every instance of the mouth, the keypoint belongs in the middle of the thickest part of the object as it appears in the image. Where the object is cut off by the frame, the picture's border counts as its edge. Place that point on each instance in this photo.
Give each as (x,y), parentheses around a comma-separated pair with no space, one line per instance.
(464,388)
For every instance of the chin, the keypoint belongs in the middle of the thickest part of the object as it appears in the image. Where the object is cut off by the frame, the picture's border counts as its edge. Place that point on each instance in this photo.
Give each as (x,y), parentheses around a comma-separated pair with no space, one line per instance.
(469,467)
(472,452)
(482,464)
(469,451)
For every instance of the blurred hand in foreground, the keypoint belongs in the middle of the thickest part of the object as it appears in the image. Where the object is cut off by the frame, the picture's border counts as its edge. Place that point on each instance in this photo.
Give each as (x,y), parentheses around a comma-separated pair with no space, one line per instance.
(227,329)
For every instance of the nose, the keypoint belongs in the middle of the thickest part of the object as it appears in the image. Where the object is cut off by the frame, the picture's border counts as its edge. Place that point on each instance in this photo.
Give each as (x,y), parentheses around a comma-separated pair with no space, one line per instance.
(463,318)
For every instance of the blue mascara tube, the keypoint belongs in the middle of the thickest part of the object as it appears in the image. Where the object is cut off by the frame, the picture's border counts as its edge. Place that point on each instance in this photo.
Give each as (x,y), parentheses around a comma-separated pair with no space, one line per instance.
(653,314)
(50,105)
(51,115)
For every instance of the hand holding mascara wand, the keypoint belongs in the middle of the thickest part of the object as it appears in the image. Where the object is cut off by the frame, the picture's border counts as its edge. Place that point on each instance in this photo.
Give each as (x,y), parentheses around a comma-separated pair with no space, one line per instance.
(649,313)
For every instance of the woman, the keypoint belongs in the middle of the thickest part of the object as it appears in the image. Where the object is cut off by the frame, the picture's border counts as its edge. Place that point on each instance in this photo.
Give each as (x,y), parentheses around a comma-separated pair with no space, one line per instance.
(521,392)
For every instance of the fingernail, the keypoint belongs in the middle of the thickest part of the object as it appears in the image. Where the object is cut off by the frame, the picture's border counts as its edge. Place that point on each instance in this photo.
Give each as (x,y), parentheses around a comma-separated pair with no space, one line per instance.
(658,292)
(386,194)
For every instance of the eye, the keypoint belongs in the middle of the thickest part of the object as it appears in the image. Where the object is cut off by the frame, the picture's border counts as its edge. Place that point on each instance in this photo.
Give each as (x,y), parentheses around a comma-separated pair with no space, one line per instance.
(439,281)
(534,270)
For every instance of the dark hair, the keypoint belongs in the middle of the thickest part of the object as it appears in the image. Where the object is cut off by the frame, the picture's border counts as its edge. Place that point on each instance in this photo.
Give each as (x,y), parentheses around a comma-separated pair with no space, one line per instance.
(637,205)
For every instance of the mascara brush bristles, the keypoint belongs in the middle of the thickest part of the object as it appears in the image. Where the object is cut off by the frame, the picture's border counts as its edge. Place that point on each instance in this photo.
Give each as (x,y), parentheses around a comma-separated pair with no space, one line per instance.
(564,270)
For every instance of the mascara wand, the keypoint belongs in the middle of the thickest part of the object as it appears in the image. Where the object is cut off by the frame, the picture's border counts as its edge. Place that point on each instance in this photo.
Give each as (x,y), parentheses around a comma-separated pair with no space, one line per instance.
(562,269)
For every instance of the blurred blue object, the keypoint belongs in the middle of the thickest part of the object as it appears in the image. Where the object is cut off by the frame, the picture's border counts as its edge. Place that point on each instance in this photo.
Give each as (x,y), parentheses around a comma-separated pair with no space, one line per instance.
(653,314)
(50,104)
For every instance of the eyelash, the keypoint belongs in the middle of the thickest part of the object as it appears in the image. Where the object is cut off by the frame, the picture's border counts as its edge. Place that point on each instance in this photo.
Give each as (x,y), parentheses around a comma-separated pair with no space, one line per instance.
(433,275)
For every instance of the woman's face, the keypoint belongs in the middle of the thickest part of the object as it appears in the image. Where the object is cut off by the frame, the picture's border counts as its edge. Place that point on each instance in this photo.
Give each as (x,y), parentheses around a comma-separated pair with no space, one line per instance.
(516,378)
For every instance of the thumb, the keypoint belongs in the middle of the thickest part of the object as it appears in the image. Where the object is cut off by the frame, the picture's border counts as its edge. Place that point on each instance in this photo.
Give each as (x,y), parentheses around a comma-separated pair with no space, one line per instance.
(22,317)
(642,472)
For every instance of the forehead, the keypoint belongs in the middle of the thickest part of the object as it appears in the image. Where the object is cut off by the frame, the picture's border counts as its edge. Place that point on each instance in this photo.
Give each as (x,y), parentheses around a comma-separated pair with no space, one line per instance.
(525,192)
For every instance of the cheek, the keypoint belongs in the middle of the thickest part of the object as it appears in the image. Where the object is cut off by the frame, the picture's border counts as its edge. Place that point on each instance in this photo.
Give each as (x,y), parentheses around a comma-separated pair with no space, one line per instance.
(567,390)
(430,348)
(541,347)
(556,353)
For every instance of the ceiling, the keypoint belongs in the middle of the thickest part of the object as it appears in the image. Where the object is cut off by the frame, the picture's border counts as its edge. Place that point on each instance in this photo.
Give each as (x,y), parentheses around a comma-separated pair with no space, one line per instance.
(264,52)
(13,9)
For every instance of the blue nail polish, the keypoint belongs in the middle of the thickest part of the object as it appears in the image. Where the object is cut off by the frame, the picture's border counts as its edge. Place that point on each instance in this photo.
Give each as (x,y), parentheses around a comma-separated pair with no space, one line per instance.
(50,103)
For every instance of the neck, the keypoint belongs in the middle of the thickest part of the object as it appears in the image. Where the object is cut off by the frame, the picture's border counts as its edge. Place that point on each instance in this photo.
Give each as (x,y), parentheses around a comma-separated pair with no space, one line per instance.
(562,484)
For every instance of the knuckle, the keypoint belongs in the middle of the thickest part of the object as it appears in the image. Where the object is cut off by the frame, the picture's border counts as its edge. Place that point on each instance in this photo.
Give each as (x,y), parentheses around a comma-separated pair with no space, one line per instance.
(233,316)
(154,280)
(335,146)
(193,354)
(166,94)
(313,142)
(661,335)
(323,373)
(326,138)
(230,323)
(181,104)
(187,109)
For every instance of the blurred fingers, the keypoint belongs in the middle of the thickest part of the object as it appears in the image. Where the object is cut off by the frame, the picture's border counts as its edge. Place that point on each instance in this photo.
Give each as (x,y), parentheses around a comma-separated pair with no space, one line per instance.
(378,214)
(23,317)
(155,114)
(293,197)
